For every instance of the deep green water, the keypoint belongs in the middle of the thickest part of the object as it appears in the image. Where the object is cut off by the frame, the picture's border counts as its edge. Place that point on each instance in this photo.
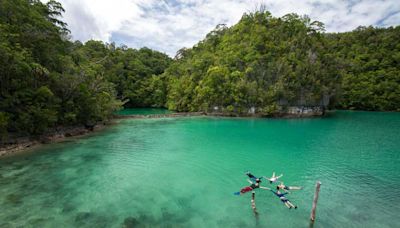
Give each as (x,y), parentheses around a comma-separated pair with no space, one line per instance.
(182,173)
(143,111)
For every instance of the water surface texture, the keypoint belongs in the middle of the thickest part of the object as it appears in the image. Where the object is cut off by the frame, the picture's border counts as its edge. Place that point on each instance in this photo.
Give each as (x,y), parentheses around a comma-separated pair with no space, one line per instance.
(182,172)
(143,111)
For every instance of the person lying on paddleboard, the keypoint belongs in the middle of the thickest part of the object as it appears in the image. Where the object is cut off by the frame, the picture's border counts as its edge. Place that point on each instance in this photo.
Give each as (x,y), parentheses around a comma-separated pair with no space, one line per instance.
(285,188)
(251,187)
(283,198)
(274,178)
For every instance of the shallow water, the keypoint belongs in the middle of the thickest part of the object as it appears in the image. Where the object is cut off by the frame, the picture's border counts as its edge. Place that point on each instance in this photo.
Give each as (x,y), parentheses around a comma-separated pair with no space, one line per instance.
(143,111)
(182,173)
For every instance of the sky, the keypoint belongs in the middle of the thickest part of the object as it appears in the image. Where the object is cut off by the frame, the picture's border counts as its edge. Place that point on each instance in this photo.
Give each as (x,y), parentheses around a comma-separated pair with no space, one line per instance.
(169,25)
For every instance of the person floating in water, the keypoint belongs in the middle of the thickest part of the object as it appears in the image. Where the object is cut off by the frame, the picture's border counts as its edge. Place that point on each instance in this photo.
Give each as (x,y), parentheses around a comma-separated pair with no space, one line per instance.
(285,188)
(274,178)
(253,185)
(284,200)
(251,176)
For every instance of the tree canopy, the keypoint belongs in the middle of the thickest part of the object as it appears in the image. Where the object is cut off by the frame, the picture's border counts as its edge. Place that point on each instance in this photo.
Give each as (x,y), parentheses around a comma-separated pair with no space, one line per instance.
(370,63)
(263,62)
(46,80)
(270,63)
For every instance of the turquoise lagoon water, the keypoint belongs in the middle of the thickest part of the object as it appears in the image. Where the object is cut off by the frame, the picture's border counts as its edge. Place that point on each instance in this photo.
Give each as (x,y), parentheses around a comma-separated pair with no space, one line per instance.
(143,111)
(182,172)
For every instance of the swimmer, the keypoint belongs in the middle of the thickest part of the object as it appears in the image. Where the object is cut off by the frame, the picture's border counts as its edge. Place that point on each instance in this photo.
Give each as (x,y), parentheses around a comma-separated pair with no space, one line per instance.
(285,188)
(274,178)
(251,176)
(284,200)
(252,187)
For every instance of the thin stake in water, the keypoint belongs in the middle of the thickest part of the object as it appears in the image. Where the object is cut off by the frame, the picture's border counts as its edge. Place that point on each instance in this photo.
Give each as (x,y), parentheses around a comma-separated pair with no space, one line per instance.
(314,206)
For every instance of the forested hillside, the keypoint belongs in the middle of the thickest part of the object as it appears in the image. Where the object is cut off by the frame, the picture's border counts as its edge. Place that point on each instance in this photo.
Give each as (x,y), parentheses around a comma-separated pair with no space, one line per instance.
(135,74)
(265,62)
(46,80)
(271,63)
(370,68)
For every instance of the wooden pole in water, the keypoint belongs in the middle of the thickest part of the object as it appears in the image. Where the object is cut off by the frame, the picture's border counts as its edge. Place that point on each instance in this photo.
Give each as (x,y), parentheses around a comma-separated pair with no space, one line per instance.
(253,203)
(314,206)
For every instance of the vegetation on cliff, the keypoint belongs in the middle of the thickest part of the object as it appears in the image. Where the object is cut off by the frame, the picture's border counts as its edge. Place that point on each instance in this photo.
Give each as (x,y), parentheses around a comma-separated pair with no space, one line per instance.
(262,62)
(370,68)
(46,80)
(265,62)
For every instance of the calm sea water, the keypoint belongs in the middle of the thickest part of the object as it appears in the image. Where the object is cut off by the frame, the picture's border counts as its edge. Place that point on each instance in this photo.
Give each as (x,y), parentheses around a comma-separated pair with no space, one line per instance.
(182,173)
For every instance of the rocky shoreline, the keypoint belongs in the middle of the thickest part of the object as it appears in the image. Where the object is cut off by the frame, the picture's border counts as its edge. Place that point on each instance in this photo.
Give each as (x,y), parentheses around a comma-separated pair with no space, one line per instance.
(20,144)
(223,114)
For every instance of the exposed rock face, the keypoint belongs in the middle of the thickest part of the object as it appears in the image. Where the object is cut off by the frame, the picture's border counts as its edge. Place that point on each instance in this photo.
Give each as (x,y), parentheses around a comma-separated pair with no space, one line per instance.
(252,110)
(283,111)
(172,115)
(303,111)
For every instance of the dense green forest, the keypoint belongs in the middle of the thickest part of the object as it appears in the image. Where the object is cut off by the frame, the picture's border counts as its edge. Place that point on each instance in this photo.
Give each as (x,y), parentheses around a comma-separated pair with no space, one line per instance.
(269,63)
(261,62)
(370,68)
(47,80)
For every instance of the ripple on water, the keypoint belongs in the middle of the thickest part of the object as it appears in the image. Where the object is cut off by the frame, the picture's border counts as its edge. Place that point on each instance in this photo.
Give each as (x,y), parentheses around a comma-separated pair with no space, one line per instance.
(182,173)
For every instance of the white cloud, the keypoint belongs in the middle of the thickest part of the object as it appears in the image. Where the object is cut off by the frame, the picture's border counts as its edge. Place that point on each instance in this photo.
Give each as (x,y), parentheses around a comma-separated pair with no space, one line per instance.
(97,19)
(393,19)
(170,25)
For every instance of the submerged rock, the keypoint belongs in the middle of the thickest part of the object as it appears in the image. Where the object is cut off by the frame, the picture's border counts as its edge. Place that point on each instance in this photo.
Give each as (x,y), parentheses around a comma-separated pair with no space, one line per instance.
(13,217)
(28,187)
(145,219)
(68,208)
(18,166)
(91,220)
(83,216)
(130,222)
(14,199)
(39,222)
(167,216)
(6,225)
